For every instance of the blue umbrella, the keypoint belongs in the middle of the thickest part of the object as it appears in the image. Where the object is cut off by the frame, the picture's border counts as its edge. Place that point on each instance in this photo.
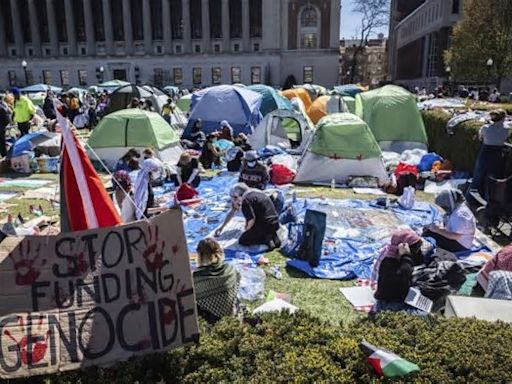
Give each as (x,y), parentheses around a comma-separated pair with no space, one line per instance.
(30,141)
(41,88)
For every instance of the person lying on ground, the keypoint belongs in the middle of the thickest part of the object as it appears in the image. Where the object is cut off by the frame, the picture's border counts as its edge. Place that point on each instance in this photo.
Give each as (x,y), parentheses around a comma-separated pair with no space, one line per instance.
(253,172)
(458,232)
(215,282)
(187,171)
(394,270)
(197,137)
(261,218)
(210,155)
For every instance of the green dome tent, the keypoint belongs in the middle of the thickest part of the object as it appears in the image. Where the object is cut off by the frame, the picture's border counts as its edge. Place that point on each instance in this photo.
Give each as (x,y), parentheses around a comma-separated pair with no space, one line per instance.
(393,116)
(350,102)
(184,102)
(342,146)
(133,128)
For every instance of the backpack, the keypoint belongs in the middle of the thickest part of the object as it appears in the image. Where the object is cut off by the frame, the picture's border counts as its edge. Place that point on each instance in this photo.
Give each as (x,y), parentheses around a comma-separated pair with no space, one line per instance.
(310,249)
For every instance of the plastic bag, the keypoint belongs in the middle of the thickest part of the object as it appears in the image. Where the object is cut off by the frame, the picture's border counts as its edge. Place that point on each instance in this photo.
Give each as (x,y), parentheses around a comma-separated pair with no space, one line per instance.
(252,283)
(281,174)
(186,192)
(408,198)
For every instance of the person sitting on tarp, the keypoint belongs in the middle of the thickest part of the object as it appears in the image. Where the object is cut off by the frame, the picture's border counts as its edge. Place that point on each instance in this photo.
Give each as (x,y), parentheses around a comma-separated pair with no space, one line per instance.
(458,231)
(187,171)
(215,282)
(226,131)
(210,154)
(393,271)
(235,155)
(197,137)
(261,218)
(253,172)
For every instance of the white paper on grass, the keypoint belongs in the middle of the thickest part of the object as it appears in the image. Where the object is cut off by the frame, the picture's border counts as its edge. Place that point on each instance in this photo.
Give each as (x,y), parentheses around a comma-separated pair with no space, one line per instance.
(369,191)
(434,188)
(359,296)
(417,300)
(276,305)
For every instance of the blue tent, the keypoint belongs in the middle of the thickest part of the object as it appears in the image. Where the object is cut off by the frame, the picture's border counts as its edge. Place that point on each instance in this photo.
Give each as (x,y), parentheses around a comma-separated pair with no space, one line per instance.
(272,100)
(41,88)
(30,141)
(238,106)
(348,90)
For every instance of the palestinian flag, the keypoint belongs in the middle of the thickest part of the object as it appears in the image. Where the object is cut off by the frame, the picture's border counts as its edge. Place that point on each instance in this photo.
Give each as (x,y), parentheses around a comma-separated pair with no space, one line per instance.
(386,363)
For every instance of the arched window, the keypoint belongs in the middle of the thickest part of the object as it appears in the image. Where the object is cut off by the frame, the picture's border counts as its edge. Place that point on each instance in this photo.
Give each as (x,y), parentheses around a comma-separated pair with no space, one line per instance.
(309,27)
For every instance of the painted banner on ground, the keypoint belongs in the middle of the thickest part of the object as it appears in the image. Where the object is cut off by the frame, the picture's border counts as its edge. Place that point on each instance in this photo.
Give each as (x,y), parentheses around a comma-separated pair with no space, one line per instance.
(94,297)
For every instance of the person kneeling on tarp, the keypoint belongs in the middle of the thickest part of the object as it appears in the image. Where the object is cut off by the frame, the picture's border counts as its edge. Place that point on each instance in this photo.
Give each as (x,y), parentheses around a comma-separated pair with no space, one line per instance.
(261,218)
(459,228)
(393,272)
(215,282)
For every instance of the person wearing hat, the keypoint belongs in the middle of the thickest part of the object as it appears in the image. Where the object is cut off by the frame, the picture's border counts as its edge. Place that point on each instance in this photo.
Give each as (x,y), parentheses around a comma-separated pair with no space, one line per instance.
(5,120)
(24,111)
(261,218)
(254,173)
(493,137)
(187,171)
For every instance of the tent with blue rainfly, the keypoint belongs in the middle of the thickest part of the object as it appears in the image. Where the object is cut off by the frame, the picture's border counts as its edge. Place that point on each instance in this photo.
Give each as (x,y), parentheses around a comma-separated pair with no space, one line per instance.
(393,116)
(36,88)
(348,90)
(271,99)
(238,106)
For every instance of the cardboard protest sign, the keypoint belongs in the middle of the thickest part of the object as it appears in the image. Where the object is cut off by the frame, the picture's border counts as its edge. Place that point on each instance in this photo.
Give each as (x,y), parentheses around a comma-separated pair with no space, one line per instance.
(94,297)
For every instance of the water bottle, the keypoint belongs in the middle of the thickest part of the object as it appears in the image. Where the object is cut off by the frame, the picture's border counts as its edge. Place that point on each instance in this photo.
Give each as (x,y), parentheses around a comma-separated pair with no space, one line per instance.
(333,184)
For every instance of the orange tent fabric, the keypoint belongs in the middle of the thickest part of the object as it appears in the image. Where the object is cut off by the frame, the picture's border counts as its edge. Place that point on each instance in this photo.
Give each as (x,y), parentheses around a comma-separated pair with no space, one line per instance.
(300,93)
(318,109)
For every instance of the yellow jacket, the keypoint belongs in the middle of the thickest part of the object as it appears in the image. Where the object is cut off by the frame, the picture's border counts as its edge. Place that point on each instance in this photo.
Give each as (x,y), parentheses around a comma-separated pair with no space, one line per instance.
(24,110)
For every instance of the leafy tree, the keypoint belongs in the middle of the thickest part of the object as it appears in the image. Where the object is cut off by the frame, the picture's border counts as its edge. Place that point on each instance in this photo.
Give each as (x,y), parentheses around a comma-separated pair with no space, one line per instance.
(375,14)
(484,33)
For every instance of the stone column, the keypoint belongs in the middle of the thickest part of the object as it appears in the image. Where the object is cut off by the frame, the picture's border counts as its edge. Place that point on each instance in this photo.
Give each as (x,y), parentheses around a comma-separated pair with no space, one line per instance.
(205,18)
(34,28)
(246,22)
(185,11)
(225,26)
(3,39)
(89,28)
(335,25)
(127,26)
(284,25)
(107,24)
(146,19)
(18,32)
(52,27)
(166,21)
(70,27)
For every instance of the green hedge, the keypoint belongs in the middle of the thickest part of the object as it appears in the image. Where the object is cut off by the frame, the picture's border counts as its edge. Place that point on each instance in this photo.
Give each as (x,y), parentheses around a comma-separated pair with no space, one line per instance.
(461,148)
(302,349)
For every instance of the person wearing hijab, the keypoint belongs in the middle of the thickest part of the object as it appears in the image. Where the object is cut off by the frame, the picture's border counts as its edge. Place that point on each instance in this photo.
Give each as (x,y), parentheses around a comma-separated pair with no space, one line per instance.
(459,224)
(226,131)
(143,196)
(393,271)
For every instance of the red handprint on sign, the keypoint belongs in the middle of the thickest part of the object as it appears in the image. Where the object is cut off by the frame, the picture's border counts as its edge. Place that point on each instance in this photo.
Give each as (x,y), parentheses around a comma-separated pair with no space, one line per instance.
(79,266)
(27,264)
(39,348)
(154,253)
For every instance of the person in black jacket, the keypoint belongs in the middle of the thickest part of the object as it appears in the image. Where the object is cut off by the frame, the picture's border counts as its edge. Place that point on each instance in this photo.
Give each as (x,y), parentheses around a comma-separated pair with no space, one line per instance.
(5,120)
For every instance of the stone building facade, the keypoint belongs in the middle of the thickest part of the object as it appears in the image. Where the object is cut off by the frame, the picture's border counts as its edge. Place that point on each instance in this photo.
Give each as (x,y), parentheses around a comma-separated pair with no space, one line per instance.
(169,42)
(371,64)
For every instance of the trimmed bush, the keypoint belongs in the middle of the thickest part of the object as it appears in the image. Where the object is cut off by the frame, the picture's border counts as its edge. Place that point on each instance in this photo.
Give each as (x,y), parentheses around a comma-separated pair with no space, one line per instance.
(460,148)
(280,348)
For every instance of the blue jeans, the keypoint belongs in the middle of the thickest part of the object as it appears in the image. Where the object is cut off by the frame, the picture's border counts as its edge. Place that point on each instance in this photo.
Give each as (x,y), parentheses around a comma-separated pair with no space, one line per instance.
(487,164)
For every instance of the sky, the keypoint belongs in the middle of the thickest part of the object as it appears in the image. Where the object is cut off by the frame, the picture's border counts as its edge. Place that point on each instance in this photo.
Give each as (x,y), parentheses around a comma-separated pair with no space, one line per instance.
(350,21)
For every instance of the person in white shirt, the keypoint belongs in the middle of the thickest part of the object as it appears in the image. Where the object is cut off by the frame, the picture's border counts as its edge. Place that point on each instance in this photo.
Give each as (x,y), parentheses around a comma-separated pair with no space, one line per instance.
(494,97)
(458,232)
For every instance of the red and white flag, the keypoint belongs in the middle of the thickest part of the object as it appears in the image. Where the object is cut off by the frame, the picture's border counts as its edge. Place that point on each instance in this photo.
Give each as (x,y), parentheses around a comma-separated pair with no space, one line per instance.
(85,203)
